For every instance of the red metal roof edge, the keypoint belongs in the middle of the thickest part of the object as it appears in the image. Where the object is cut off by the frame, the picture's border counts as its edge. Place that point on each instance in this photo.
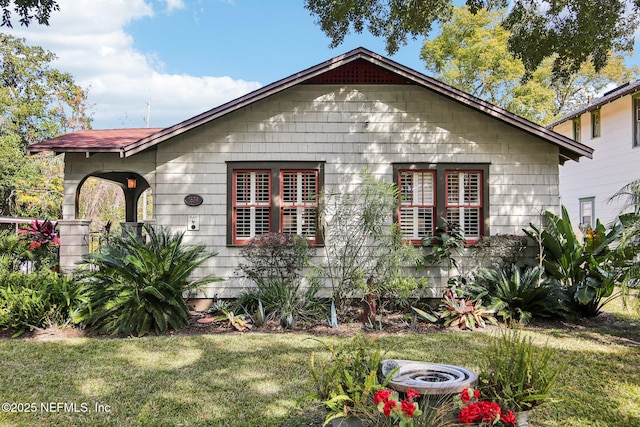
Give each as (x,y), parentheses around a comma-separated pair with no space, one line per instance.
(102,140)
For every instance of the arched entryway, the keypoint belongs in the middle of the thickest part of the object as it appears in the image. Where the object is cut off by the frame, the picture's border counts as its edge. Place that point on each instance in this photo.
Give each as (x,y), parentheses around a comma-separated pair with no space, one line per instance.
(132,184)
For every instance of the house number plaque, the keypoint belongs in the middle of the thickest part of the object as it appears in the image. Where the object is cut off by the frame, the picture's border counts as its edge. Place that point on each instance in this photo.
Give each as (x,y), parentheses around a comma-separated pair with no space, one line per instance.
(193,200)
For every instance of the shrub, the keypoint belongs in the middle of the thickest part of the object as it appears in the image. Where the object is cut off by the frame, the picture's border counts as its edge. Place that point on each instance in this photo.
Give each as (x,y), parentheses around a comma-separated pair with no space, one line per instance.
(463,312)
(517,374)
(44,242)
(587,271)
(14,252)
(132,286)
(275,263)
(517,294)
(347,380)
(365,252)
(35,300)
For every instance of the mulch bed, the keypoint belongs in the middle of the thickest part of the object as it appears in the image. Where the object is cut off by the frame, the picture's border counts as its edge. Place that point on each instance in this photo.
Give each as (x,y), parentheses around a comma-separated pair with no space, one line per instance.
(393,323)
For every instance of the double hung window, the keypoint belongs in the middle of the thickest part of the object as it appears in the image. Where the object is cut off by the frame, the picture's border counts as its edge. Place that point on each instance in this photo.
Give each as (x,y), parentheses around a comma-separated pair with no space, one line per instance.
(429,193)
(267,197)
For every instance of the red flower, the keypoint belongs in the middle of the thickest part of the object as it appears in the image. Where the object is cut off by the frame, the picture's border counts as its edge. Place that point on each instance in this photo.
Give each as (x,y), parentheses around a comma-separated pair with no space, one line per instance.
(509,418)
(468,393)
(381,396)
(412,394)
(34,245)
(388,407)
(469,414)
(408,407)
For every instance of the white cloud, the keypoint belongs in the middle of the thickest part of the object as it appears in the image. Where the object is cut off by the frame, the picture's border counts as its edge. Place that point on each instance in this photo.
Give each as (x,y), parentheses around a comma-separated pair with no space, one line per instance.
(174,4)
(89,38)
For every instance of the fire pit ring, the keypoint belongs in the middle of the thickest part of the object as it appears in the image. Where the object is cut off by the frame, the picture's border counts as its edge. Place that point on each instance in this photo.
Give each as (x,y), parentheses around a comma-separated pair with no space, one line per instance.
(428,378)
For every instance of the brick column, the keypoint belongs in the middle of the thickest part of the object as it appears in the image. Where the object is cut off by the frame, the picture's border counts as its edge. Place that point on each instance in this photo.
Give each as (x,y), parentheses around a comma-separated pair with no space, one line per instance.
(74,242)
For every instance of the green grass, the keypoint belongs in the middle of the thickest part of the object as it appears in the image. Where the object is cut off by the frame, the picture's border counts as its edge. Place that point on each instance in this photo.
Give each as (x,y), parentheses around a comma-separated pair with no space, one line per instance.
(256,379)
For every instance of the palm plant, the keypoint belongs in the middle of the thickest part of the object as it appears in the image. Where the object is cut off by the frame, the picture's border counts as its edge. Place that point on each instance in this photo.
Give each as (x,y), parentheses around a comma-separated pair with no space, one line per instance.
(518,294)
(134,286)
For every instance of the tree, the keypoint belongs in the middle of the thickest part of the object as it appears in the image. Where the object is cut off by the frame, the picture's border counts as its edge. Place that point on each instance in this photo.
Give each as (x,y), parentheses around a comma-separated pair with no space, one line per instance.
(571,32)
(28,10)
(37,102)
(471,53)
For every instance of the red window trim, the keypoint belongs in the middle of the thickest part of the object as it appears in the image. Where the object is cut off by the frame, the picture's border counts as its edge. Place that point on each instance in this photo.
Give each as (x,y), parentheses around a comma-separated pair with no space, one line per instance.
(479,205)
(313,205)
(235,205)
(412,205)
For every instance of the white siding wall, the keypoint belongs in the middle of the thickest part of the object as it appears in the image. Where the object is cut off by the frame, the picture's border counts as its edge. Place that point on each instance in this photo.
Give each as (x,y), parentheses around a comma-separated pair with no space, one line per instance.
(614,164)
(366,126)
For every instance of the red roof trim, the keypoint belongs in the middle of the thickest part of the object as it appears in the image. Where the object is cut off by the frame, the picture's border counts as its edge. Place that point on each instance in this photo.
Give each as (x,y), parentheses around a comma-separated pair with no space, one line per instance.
(91,140)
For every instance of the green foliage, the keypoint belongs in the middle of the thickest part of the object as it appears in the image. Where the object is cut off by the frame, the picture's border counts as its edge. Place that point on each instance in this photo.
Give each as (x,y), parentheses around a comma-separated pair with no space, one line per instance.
(518,294)
(14,252)
(134,286)
(628,242)
(447,241)
(35,300)
(471,54)
(364,250)
(27,11)
(587,271)
(464,313)
(559,30)
(424,315)
(37,102)
(275,263)
(563,30)
(517,374)
(346,381)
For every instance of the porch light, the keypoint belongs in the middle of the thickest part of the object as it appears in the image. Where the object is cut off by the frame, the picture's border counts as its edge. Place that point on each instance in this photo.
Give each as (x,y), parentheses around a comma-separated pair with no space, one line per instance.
(131,183)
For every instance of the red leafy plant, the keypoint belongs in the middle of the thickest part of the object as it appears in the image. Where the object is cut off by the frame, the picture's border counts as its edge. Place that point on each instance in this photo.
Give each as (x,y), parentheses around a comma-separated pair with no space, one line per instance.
(41,233)
(483,412)
(399,411)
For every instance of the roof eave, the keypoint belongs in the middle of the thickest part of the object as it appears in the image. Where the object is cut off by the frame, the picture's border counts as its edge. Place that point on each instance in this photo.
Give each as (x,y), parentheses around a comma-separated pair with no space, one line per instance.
(571,149)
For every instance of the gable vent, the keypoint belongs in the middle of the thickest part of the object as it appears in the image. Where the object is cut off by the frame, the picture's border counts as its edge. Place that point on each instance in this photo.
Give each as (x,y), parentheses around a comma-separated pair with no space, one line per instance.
(358,72)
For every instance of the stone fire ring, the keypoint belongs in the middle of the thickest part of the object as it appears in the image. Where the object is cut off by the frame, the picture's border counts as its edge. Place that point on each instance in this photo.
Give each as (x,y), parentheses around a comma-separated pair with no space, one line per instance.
(428,378)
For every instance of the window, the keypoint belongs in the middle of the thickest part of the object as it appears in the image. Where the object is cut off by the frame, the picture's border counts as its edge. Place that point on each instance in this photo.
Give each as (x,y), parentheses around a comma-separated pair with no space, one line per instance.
(417,204)
(428,193)
(267,197)
(595,124)
(464,201)
(299,209)
(576,129)
(636,122)
(587,207)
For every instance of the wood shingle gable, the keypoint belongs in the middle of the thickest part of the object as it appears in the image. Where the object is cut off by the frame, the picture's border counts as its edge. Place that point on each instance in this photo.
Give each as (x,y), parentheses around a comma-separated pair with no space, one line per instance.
(359,66)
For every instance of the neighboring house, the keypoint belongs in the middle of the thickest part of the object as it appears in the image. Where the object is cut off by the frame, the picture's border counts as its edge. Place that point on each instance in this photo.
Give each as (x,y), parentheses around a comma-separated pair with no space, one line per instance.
(261,162)
(611,126)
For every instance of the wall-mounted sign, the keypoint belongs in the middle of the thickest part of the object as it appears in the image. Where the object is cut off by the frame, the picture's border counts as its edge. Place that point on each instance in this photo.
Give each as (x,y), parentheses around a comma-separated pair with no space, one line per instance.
(193,200)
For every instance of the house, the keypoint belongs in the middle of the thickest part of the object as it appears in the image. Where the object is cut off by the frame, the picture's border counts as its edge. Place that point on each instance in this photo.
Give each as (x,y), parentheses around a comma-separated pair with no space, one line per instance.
(261,162)
(611,126)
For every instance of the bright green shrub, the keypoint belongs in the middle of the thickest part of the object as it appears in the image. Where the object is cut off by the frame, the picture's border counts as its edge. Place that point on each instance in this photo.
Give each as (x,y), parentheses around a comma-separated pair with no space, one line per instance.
(35,300)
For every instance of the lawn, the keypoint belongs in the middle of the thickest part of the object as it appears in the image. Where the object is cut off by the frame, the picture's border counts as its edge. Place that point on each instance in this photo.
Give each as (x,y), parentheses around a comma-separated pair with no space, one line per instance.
(256,379)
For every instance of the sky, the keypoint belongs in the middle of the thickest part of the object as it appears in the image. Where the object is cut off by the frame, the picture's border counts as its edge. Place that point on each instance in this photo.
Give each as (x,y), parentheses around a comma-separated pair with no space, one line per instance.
(159,62)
